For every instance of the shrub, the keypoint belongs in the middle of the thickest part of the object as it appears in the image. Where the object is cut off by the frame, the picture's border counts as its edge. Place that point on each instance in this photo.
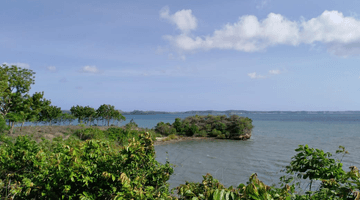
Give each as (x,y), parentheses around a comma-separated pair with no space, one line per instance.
(131,125)
(164,129)
(74,169)
(202,134)
(172,136)
(221,136)
(90,133)
(214,133)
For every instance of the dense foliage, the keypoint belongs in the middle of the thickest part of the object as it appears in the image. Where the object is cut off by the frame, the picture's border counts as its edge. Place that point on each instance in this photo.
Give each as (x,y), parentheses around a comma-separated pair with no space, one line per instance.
(233,127)
(113,134)
(16,104)
(99,168)
(75,169)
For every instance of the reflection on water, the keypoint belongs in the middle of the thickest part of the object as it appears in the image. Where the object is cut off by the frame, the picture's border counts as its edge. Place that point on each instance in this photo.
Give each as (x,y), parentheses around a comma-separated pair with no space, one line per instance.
(268,151)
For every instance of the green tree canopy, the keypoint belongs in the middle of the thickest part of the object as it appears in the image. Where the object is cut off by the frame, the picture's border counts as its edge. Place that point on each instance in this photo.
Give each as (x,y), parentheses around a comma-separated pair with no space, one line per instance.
(78,112)
(50,113)
(89,114)
(15,83)
(107,112)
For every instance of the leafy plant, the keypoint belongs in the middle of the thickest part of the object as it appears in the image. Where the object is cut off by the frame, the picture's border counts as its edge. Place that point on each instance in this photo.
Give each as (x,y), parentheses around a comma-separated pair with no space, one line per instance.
(73,169)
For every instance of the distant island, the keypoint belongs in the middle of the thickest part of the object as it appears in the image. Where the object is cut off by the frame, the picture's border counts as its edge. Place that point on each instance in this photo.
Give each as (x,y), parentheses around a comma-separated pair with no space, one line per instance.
(230,112)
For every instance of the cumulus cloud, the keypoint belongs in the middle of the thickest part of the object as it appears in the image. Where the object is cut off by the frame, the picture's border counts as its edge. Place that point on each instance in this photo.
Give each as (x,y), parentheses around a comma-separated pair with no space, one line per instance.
(51,68)
(90,69)
(183,19)
(18,64)
(339,34)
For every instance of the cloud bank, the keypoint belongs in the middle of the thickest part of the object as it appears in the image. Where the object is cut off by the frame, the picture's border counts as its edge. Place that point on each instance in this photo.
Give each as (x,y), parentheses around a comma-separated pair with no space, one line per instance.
(339,34)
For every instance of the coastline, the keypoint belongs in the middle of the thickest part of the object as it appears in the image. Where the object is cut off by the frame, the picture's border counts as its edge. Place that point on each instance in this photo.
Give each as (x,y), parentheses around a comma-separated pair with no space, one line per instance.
(163,141)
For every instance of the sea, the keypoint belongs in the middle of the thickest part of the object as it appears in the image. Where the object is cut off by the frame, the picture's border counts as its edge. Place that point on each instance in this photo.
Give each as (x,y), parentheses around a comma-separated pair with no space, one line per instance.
(270,149)
(275,137)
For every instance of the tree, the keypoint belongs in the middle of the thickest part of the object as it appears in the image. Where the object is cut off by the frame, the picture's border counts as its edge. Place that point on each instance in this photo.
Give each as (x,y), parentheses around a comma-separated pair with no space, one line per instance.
(38,103)
(50,113)
(89,114)
(108,112)
(66,118)
(78,112)
(14,84)
(15,102)
(118,116)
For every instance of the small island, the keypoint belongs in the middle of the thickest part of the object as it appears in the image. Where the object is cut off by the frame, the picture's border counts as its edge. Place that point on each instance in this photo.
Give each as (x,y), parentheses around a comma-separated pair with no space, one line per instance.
(222,127)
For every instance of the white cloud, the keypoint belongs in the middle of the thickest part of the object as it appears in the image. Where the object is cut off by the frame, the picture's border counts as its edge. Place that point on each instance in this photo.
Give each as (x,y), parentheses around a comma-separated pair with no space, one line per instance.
(274,71)
(339,34)
(255,76)
(90,69)
(262,4)
(183,19)
(21,65)
(51,68)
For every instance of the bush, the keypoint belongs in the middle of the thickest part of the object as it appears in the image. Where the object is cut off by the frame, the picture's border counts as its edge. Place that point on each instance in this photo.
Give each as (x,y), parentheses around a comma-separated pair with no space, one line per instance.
(74,169)
(221,136)
(90,133)
(202,134)
(172,136)
(214,133)
(131,125)
(164,129)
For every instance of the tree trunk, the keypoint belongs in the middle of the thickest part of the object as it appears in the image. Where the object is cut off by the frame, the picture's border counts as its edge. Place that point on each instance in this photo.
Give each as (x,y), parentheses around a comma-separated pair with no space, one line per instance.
(21,125)
(12,127)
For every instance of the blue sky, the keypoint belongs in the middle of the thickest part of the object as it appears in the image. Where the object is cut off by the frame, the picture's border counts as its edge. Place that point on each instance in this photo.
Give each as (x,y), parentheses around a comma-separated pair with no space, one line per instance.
(188,55)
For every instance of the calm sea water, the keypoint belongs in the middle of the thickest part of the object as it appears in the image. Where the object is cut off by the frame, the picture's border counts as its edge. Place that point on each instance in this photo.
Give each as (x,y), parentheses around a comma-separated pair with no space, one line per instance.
(274,139)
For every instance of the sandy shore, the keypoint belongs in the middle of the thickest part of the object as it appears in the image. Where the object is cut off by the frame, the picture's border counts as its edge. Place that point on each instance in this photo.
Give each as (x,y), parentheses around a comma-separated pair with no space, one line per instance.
(161,140)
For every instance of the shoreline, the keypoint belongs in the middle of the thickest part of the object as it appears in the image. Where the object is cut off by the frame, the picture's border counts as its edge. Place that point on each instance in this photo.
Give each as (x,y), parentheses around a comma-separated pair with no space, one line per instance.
(162,141)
